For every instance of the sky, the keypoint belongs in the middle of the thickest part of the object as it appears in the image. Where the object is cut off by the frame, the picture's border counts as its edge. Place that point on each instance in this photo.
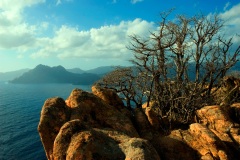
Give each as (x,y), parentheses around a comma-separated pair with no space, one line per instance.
(89,33)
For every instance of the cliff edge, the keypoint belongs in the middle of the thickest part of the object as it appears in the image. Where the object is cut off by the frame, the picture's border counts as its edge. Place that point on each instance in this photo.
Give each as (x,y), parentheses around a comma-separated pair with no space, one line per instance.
(97,125)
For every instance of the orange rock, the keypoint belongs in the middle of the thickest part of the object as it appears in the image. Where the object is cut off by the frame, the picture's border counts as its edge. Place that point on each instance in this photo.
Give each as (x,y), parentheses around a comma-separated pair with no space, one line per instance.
(152,118)
(91,109)
(111,97)
(215,118)
(198,142)
(108,95)
(98,126)
(53,115)
(76,141)
(174,147)
(142,124)
(206,142)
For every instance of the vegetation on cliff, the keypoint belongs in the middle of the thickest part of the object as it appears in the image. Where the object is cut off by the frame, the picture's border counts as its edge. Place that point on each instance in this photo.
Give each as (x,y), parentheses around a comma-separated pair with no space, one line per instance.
(183,117)
(165,62)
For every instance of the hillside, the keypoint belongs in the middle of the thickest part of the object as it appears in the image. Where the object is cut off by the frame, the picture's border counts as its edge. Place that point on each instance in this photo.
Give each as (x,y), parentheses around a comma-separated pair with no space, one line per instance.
(58,74)
(7,76)
(101,70)
(76,70)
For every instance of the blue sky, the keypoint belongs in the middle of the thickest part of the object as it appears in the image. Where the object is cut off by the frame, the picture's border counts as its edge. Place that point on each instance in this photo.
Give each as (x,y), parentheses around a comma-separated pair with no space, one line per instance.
(89,33)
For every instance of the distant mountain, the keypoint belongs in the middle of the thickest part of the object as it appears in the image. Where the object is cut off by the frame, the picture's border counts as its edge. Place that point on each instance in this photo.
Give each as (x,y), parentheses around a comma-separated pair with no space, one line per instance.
(101,70)
(58,74)
(76,70)
(7,76)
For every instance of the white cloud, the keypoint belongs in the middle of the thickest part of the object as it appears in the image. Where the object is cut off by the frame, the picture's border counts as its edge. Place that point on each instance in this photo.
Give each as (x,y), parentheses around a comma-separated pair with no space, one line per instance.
(232,22)
(44,25)
(58,2)
(18,5)
(16,35)
(108,41)
(15,31)
(104,42)
(61,1)
(20,56)
(226,6)
(231,16)
(135,1)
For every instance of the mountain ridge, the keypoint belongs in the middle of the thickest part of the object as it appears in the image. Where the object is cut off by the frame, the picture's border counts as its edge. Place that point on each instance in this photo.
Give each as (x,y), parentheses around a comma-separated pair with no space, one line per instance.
(100,71)
(6,76)
(57,74)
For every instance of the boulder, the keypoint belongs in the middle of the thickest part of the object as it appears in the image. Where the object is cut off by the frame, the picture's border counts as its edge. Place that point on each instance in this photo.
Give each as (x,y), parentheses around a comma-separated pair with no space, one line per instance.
(87,108)
(108,95)
(152,118)
(98,126)
(214,117)
(142,124)
(157,123)
(221,121)
(198,142)
(95,112)
(77,141)
(218,120)
(208,145)
(54,114)
(174,147)
(111,97)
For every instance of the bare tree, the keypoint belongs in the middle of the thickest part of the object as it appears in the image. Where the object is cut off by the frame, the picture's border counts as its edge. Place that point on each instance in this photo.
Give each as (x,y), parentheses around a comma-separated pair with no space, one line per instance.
(128,83)
(179,49)
(177,66)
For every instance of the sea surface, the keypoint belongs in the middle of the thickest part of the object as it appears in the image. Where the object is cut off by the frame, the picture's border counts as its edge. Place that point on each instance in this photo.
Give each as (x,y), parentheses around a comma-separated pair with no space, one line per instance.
(20,107)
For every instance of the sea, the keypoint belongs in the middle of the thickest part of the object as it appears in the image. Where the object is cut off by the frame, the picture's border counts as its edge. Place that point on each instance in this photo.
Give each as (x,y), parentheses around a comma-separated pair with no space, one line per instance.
(20,107)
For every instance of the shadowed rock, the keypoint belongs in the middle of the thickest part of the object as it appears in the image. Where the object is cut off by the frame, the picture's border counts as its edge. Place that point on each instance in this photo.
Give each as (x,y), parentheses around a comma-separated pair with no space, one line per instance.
(198,142)
(235,112)
(53,115)
(95,112)
(77,141)
(218,120)
(83,106)
(142,124)
(109,96)
(98,126)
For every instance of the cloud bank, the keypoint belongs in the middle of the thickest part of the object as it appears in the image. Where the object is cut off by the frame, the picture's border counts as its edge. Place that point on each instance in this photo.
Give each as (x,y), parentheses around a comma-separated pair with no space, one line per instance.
(105,42)
(108,41)
(135,1)
(14,31)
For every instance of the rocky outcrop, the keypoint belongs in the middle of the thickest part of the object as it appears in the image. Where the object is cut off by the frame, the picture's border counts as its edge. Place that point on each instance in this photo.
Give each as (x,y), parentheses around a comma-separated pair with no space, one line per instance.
(77,140)
(54,115)
(216,136)
(235,112)
(85,107)
(98,126)
(109,96)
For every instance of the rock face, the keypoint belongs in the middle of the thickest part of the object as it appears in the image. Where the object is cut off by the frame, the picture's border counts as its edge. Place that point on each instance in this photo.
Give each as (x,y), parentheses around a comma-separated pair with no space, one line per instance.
(96,125)
(53,116)
(78,141)
(214,137)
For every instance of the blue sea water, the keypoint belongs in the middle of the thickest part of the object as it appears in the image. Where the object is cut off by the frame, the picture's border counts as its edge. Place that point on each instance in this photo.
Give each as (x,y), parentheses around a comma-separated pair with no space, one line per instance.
(20,107)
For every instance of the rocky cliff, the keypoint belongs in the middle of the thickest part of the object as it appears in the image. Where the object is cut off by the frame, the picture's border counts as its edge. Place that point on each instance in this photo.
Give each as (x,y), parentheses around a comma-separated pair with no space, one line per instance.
(97,126)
